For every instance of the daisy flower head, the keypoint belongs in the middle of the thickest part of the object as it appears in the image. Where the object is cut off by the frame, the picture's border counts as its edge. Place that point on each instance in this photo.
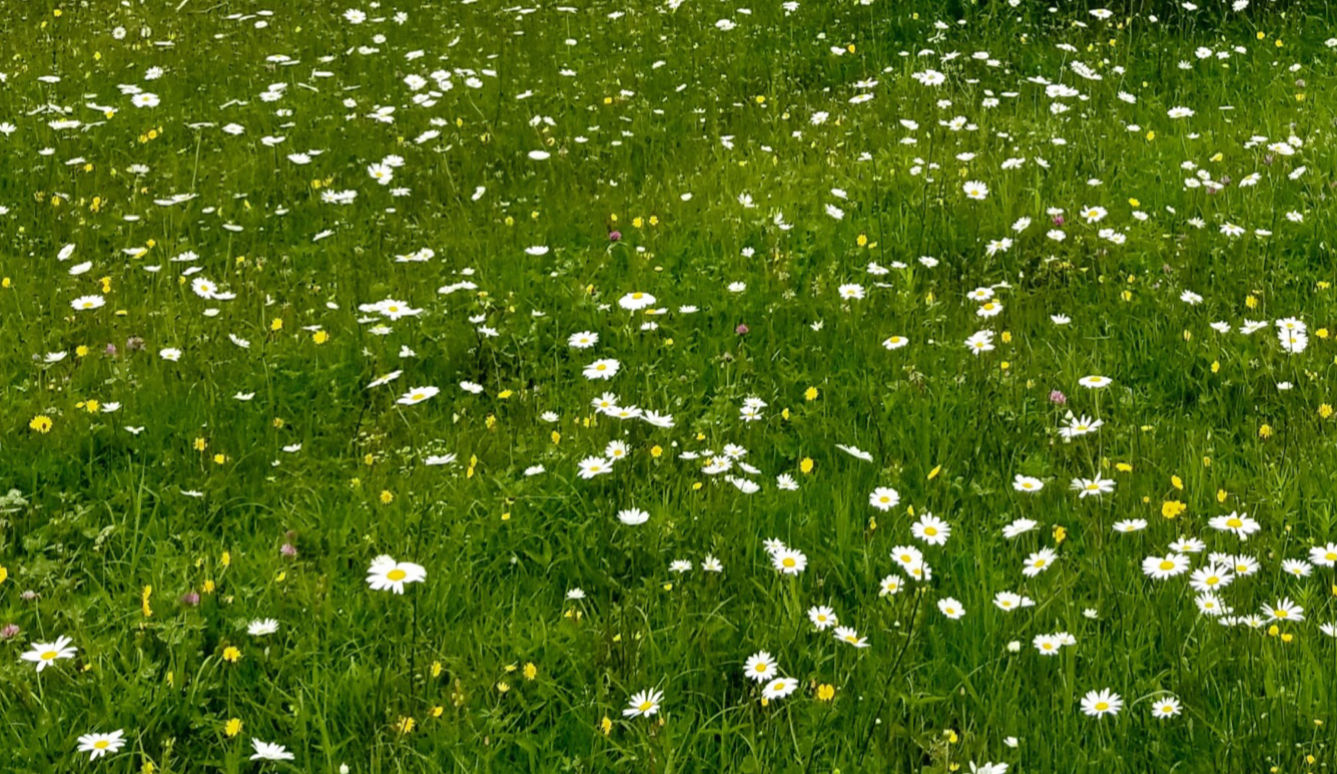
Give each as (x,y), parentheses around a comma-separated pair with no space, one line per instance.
(1100,703)
(269,751)
(1285,610)
(583,340)
(1038,562)
(1162,567)
(822,617)
(980,342)
(606,368)
(884,498)
(760,667)
(44,654)
(907,556)
(787,561)
(643,704)
(386,574)
(1239,524)
(594,466)
(99,744)
(1027,484)
(635,301)
(851,637)
(262,627)
(1324,556)
(1092,487)
(851,291)
(1008,601)
(931,530)
(779,688)
(1047,644)
(417,395)
(1166,708)
(949,607)
(1019,527)
(633,516)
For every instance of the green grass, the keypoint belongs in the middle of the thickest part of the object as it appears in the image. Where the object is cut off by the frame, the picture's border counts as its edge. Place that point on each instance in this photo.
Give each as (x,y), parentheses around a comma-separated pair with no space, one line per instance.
(152,535)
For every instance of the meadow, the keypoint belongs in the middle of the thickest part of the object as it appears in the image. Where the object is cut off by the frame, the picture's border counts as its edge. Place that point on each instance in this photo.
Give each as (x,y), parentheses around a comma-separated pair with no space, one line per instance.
(689,386)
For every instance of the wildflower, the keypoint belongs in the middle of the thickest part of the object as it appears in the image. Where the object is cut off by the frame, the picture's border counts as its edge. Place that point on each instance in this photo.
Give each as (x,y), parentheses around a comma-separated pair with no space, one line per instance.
(1100,703)
(760,667)
(884,498)
(850,637)
(269,751)
(949,607)
(822,617)
(417,395)
(386,574)
(44,654)
(1027,484)
(779,688)
(99,744)
(643,704)
(1165,708)
(789,561)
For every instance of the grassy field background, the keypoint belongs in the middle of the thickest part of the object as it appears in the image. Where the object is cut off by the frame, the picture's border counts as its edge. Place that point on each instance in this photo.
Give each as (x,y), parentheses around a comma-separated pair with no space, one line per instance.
(204,205)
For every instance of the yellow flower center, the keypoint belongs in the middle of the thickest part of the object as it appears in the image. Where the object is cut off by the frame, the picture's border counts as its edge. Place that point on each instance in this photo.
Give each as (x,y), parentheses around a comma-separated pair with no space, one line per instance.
(1166,564)
(49,655)
(1101,706)
(1234,523)
(789,561)
(396,574)
(102,744)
